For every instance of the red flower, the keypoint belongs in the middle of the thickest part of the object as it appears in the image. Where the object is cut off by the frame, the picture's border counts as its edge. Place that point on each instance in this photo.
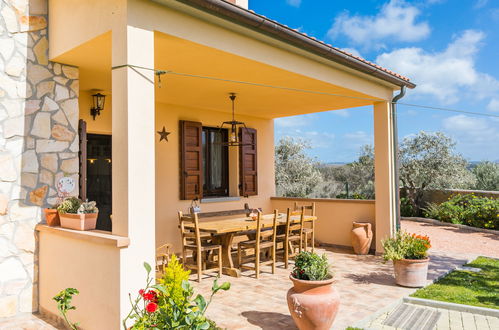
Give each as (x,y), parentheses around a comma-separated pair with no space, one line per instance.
(151,307)
(141,292)
(150,296)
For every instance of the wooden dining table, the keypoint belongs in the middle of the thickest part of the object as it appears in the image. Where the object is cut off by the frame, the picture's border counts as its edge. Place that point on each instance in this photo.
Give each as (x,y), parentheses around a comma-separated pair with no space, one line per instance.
(224,230)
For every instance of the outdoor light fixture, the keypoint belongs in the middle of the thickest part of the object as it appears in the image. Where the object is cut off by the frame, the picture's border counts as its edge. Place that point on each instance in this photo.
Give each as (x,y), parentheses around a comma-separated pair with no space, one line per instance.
(233,136)
(98,104)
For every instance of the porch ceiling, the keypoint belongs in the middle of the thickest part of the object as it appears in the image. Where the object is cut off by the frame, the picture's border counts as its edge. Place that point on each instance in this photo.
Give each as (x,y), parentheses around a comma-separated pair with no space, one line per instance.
(183,56)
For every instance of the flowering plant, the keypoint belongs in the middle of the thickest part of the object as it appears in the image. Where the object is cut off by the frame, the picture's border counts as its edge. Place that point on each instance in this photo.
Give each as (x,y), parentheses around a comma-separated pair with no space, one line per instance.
(406,246)
(170,303)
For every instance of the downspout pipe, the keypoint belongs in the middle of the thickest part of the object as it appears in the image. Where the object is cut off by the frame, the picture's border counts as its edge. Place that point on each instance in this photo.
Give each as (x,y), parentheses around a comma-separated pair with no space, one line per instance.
(395,149)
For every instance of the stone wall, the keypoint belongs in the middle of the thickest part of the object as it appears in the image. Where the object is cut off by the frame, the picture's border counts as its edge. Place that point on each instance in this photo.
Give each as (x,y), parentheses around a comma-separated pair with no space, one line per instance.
(440,196)
(38,144)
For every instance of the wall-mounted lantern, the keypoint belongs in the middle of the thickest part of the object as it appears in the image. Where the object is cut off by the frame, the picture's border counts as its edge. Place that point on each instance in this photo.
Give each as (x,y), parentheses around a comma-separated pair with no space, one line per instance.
(98,104)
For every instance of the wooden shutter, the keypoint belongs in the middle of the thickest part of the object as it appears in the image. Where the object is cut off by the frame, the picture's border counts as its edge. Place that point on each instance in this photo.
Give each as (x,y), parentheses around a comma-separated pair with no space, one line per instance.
(248,165)
(82,135)
(191,160)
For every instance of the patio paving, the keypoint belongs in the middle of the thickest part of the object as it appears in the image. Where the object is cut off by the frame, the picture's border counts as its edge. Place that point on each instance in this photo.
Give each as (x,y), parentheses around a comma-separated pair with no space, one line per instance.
(365,285)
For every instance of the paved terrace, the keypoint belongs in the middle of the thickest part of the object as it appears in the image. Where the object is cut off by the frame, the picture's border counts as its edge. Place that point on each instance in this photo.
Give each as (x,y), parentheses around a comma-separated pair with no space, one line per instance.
(364,282)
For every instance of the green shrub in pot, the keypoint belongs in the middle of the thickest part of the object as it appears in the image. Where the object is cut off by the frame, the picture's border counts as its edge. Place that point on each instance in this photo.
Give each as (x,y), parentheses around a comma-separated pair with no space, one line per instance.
(311,267)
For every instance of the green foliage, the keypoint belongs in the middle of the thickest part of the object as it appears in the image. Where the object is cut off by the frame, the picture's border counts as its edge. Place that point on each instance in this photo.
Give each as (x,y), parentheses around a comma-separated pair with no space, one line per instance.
(406,208)
(69,205)
(88,207)
(296,174)
(63,300)
(469,209)
(405,246)
(351,196)
(487,176)
(170,303)
(310,266)
(467,287)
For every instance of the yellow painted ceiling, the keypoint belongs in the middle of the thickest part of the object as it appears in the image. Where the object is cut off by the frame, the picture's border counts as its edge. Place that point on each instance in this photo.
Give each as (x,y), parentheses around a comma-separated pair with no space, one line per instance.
(182,56)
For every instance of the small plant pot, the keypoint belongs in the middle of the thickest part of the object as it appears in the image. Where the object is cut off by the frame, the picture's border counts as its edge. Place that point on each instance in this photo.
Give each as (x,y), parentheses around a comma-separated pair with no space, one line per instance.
(52,217)
(86,221)
(313,304)
(411,272)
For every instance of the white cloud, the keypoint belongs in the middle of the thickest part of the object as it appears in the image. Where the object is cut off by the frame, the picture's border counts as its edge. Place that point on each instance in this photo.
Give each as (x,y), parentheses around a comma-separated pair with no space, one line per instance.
(294,3)
(294,121)
(474,135)
(395,22)
(448,75)
(480,4)
(341,113)
(358,139)
(352,51)
(493,105)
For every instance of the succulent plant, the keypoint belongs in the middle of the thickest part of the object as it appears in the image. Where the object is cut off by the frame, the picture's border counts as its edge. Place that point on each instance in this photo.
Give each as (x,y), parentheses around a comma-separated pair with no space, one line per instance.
(69,205)
(88,207)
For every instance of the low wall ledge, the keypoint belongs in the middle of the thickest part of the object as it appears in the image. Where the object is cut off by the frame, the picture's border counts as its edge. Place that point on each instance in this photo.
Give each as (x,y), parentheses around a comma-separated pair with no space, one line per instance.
(96,236)
(322,200)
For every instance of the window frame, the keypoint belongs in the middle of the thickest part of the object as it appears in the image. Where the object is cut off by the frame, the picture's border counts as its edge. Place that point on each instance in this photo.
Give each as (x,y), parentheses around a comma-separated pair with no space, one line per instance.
(206,148)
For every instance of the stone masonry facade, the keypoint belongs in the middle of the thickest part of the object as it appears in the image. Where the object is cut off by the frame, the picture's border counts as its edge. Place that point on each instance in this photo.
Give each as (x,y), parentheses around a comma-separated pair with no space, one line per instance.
(38,144)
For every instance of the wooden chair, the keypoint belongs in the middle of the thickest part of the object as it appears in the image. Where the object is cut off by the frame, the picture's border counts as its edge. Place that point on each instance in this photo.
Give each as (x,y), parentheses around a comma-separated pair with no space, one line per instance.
(292,235)
(265,239)
(192,241)
(162,258)
(308,232)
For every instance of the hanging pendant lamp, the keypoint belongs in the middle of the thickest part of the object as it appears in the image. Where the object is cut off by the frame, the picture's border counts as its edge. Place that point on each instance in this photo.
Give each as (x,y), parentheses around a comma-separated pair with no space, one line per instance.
(233,140)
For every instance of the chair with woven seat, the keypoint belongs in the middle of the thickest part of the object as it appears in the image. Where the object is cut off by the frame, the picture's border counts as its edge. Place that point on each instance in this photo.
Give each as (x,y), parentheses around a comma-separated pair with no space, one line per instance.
(308,232)
(193,241)
(292,238)
(264,240)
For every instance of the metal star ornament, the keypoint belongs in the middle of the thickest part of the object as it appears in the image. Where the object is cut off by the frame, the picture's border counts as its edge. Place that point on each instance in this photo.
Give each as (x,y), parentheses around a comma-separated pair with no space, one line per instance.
(163,134)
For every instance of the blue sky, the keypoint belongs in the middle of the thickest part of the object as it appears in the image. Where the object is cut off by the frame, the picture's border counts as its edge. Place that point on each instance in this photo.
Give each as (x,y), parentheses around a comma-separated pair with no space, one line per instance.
(449,48)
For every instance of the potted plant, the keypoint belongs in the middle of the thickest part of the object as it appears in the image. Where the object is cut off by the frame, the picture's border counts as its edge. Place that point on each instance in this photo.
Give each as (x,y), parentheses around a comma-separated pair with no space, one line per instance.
(52,216)
(75,214)
(312,301)
(410,258)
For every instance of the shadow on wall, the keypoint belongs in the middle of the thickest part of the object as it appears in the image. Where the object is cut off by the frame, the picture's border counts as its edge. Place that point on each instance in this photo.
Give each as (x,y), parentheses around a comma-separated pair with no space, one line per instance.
(38,144)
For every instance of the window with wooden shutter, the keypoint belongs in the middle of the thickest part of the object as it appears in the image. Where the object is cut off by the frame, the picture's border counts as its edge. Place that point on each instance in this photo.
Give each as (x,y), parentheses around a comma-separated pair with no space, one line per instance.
(248,172)
(191,160)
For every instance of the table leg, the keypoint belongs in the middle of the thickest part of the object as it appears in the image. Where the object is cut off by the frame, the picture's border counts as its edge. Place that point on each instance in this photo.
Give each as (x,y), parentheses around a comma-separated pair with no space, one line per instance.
(228,264)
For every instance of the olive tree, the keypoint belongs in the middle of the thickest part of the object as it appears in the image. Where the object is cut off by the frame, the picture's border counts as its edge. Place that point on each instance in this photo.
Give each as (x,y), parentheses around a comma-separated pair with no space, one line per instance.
(296,174)
(487,176)
(429,161)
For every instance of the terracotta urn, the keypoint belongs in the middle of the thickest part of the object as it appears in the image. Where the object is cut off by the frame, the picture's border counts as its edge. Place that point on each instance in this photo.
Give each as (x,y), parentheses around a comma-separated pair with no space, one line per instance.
(411,272)
(86,221)
(362,236)
(52,217)
(313,304)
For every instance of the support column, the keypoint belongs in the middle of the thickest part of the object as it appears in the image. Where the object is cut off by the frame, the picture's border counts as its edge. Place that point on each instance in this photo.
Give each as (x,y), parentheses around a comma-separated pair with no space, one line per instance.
(384,173)
(133,155)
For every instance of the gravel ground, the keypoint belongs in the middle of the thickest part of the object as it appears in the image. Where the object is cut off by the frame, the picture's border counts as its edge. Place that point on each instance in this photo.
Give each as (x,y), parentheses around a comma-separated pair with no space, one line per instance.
(454,240)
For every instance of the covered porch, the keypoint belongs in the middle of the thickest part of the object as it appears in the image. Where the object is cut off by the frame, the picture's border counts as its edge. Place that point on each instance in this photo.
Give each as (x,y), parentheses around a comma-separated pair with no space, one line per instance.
(124,55)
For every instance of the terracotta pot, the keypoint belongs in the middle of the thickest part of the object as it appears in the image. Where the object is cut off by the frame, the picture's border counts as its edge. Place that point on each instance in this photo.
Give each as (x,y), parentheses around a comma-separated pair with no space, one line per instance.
(411,272)
(362,236)
(313,304)
(86,221)
(52,217)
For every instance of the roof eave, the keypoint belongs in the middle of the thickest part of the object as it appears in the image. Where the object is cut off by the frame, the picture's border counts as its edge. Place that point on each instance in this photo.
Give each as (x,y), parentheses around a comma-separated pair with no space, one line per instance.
(276,30)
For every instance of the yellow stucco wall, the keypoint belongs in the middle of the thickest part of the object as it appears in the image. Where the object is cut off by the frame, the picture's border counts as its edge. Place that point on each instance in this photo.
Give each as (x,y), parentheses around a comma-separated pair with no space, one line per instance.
(167,168)
(90,267)
(335,217)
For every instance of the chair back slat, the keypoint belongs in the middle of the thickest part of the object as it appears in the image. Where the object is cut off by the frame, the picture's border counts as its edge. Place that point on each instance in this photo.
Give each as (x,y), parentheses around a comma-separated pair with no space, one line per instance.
(309,207)
(189,236)
(294,225)
(261,235)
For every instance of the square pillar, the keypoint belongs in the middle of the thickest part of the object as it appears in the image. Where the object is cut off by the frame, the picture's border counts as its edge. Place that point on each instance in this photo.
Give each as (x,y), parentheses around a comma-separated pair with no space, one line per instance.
(133,152)
(384,172)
